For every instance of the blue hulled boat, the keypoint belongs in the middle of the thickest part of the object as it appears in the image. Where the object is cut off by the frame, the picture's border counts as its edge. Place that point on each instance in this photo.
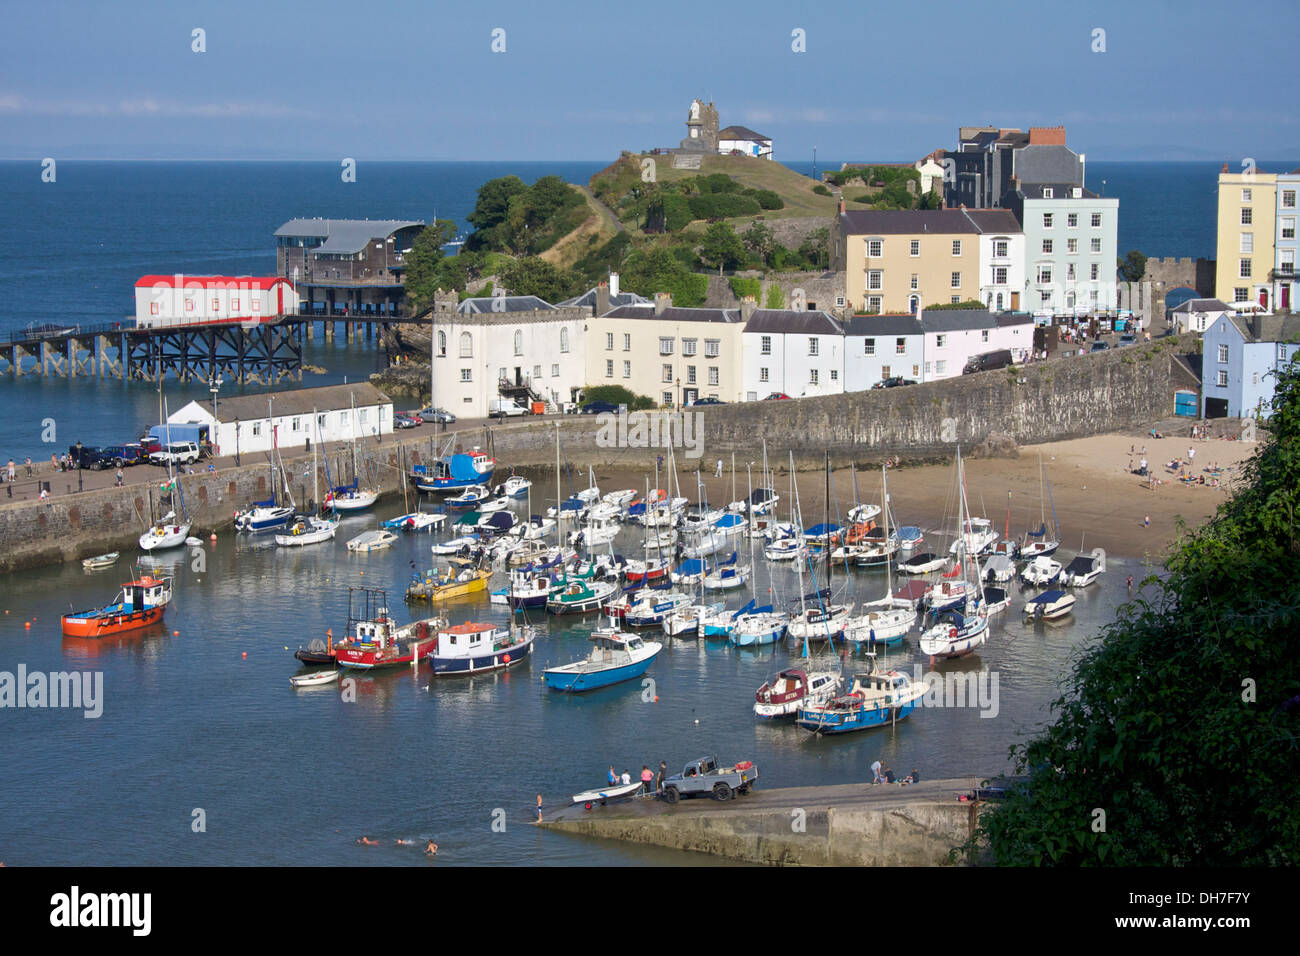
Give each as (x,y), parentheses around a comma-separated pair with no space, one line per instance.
(875,700)
(615,656)
(452,473)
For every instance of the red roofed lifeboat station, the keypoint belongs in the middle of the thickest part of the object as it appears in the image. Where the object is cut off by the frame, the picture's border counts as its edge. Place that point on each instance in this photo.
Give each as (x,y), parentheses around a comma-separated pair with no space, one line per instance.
(181,300)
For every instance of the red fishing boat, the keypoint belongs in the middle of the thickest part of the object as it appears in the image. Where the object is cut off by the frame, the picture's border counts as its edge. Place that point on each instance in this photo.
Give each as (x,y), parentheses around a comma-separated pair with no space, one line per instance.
(374,640)
(141,603)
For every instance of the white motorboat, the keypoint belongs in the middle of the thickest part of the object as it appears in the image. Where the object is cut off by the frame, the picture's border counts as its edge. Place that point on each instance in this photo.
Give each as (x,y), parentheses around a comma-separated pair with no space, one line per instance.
(515,486)
(167,533)
(861,514)
(619,499)
(373,540)
(100,561)
(1041,571)
(883,621)
(705,543)
(977,538)
(307,530)
(818,624)
(612,792)
(785,549)
(535,528)
(455,545)
(923,563)
(1085,569)
(493,505)
(1049,606)
(471,497)
(784,694)
(1000,568)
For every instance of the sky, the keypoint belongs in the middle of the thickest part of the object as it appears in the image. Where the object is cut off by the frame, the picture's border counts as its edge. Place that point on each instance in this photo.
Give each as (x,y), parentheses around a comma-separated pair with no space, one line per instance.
(420,80)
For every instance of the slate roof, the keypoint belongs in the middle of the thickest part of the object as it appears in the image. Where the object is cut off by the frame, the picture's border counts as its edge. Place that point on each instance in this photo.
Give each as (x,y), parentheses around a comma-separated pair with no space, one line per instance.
(344,236)
(882,222)
(1272,328)
(674,314)
(1005,319)
(1059,191)
(297,401)
(793,321)
(479,305)
(956,320)
(1202,305)
(890,324)
(588,300)
(742,132)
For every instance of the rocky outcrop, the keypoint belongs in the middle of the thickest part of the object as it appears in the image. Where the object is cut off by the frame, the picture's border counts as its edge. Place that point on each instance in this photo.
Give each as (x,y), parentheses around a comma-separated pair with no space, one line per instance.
(407,379)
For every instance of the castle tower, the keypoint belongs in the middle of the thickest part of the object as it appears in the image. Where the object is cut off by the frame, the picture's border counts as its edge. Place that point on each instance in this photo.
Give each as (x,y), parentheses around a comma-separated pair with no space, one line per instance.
(701,128)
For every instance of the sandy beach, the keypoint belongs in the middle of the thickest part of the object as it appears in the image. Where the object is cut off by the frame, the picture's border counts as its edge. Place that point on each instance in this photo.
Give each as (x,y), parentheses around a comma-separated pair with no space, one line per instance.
(1098,502)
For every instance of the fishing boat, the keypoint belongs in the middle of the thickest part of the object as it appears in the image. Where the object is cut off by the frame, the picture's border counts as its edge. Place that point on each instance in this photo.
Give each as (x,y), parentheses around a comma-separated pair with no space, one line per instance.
(1085,569)
(475,647)
(100,561)
(595,532)
(580,597)
(314,679)
(376,641)
(1041,571)
(374,540)
(452,473)
(459,578)
(874,700)
(513,487)
(1049,606)
(307,530)
(615,656)
(784,694)
(529,589)
(141,602)
(611,792)
(923,563)
(646,571)
(956,628)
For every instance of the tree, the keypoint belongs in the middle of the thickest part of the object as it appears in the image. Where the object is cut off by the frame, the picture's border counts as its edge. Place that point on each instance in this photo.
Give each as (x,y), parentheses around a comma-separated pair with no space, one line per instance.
(491,210)
(618,395)
(816,248)
(1181,724)
(1132,267)
(535,276)
(761,241)
(424,264)
(721,247)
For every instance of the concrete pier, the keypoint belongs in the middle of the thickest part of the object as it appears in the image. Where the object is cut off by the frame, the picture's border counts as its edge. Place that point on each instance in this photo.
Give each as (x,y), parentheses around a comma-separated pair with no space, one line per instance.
(846,825)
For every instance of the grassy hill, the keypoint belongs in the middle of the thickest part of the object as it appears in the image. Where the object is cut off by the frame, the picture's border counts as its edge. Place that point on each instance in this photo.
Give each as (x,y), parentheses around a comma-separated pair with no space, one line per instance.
(597,229)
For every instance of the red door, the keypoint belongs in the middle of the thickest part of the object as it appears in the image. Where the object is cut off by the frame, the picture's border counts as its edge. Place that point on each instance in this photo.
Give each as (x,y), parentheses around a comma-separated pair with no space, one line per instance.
(1263,298)
(1286,296)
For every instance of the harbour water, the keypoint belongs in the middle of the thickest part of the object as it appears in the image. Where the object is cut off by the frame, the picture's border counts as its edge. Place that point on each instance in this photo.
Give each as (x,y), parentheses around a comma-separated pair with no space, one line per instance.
(285,776)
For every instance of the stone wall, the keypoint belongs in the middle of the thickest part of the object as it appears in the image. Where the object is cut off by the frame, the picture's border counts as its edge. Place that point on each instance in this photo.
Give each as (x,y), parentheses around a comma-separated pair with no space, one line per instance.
(820,289)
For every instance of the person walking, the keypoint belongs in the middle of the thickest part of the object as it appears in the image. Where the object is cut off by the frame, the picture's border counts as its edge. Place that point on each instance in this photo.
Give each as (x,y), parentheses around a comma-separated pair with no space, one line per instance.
(875,771)
(1191,456)
(1146,522)
(119,478)
(539,810)
(661,777)
(12,473)
(718,472)
(29,467)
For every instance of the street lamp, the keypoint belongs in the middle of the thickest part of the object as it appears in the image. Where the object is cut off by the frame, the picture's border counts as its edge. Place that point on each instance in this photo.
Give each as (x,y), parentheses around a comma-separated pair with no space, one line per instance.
(78,466)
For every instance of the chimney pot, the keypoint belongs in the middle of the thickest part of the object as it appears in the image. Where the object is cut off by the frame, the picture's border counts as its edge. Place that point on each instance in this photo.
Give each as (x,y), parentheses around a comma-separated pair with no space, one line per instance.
(663,300)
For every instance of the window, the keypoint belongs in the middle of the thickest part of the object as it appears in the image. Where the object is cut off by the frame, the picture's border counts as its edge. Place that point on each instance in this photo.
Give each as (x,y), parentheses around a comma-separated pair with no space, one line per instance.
(875,279)
(868,346)
(812,345)
(216,305)
(1223,354)
(1240,294)
(874,248)
(915,282)
(1048,192)
(442,344)
(956,247)
(1245,195)
(257,428)
(1044,274)
(928,366)
(873,303)
(835,375)
(609,341)
(234,305)
(1222,380)
(362,414)
(1072,220)
(712,347)
(900,346)
(564,340)
(555,371)
(627,341)
(713,375)
(1245,269)
(940,367)
(297,424)
(1094,245)
(984,335)
(667,398)
(1071,245)
(1093,271)
(467,375)
(627,369)
(1288,228)
(762,375)
(466,345)
(1281,352)
(999,275)
(916,371)
(956,280)
(1047,220)
(320,421)
(839,301)
(914,249)
(690,375)
(1247,242)
(765,345)
(999,301)
(1069,271)
(668,373)
(519,342)
(1047,247)
(955,300)
(537,371)
(940,340)
(1286,263)
(153,308)
(1000,248)
(885,371)
(812,376)
(689,346)
(1045,296)
(665,346)
(1247,215)
(1288,199)
(1096,220)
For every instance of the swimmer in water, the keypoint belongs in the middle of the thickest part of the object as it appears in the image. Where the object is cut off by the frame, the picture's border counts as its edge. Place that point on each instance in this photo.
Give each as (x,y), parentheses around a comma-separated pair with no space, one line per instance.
(401,842)
(366,841)
(431,849)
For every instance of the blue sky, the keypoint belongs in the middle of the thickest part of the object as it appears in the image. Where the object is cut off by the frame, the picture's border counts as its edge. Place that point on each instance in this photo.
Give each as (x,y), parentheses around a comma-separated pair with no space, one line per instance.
(415,79)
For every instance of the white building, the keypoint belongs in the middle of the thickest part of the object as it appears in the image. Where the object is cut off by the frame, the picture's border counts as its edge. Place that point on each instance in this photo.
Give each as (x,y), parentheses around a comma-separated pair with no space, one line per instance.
(799,354)
(290,419)
(952,336)
(1071,247)
(745,140)
(192,300)
(1197,315)
(877,347)
(1001,268)
(517,348)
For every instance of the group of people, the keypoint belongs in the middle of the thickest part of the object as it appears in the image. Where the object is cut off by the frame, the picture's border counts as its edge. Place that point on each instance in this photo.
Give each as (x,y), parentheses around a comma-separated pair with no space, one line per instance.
(651,782)
(430,848)
(880,773)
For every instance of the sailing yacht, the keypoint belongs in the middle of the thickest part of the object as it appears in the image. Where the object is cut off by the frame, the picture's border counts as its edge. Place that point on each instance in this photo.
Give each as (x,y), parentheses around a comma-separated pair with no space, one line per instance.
(1037,543)
(958,629)
(884,621)
(170,532)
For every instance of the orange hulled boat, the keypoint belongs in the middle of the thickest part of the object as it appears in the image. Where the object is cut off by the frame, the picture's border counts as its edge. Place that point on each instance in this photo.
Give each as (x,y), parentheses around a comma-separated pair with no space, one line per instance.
(141,603)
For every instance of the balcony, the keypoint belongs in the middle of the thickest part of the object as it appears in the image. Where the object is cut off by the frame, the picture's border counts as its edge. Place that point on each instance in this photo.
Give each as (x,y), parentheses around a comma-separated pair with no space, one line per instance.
(1283,273)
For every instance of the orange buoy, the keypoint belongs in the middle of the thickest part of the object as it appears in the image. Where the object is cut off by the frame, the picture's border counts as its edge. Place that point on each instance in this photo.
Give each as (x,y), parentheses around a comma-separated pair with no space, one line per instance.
(28,625)
(656,698)
(244,655)
(213,536)
(506,659)
(176,633)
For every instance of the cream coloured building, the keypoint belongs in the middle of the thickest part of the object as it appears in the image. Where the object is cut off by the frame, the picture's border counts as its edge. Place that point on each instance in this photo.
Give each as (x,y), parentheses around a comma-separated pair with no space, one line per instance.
(1247,228)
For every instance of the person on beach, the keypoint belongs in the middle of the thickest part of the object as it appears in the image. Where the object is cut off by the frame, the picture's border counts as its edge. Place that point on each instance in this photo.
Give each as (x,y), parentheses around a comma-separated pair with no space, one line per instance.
(1146,522)
(875,772)
(718,473)
(29,467)
(647,779)
(627,777)
(119,478)
(1130,582)
(539,808)
(613,777)
(661,777)
(11,470)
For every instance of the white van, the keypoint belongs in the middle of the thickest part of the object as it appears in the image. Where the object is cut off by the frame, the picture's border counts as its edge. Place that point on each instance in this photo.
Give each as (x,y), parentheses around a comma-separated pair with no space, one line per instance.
(505,408)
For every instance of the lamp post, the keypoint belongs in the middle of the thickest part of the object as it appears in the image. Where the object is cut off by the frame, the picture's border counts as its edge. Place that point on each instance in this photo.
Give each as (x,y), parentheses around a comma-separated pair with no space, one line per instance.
(213,385)
(78,466)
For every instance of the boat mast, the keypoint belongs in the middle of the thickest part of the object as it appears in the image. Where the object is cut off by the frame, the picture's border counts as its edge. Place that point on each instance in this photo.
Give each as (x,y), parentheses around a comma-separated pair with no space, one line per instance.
(889,558)
(315,488)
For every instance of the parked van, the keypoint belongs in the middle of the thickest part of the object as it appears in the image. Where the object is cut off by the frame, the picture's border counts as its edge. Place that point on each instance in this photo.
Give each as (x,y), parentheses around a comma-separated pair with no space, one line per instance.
(505,408)
(987,361)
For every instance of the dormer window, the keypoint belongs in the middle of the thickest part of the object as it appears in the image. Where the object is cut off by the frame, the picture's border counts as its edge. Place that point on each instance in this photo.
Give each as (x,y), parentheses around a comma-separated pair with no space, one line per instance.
(1048,192)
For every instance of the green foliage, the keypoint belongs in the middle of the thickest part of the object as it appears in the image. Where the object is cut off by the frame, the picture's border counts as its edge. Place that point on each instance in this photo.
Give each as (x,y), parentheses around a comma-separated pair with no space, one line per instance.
(775,297)
(424,264)
(722,206)
(743,287)
(821,190)
(618,395)
(534,276)
(525,220)
(893,187)
(646,272)
(721,247)
(761,241)
(967,304)
(816,248)
(603,260)
(1132,267)
(1183,723)
(491,210)
(766,198)
(716,183)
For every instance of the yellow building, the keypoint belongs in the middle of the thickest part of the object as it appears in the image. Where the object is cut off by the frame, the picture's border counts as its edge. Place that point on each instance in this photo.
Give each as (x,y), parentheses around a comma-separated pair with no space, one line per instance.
(1246,233)
(672,355)
(901,260)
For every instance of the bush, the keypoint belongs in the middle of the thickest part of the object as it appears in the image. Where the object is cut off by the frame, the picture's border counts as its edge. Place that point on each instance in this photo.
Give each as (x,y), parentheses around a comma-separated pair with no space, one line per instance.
(821,190)
(722,206)
(968,304)
(766,199)
(716,183)
(618,395)
(743,287)
(775,297)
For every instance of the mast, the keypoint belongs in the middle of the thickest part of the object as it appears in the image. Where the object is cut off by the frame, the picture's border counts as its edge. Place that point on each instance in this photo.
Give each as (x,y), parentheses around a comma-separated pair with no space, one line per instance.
(559,514)
(798,522)
(829,537)
(315,489)
(889,559)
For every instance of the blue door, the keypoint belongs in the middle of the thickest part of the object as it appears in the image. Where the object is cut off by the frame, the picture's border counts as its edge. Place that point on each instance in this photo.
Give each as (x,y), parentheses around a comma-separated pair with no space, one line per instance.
(1185,404)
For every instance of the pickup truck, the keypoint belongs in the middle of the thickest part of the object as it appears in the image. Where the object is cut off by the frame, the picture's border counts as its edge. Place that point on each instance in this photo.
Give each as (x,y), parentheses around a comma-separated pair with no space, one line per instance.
(704,776)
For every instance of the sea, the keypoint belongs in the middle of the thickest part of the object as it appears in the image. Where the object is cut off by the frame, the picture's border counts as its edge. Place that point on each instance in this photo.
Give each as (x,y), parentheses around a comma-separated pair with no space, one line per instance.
(204,753)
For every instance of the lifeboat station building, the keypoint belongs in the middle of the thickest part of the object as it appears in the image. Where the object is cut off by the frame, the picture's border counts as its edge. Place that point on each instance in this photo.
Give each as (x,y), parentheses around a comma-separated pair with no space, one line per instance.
(346,266)
(179,300)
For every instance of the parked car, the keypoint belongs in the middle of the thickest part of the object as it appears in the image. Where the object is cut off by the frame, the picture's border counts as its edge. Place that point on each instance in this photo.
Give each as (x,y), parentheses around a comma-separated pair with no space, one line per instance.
(403,421)
(1099,347)
(599,408)
(894,381)
(707,400)
(987,361)
(177,453)
(90,457)
(776,396)
(705,777)
(505,408)
(132,453)
(439,415)
(1128,339)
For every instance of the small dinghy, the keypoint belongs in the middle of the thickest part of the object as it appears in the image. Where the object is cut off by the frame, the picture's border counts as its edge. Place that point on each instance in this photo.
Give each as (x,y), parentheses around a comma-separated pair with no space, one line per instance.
(100,561)
(612,792)
(314,679)
(373,540)
(193,542)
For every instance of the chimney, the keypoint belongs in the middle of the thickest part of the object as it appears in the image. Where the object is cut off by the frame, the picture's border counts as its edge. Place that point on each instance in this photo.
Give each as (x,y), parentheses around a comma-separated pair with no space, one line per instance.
(663,300)
(602,298)
(613,285)
(747,307)
(1256,326)
(842,210)
(1225,168)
